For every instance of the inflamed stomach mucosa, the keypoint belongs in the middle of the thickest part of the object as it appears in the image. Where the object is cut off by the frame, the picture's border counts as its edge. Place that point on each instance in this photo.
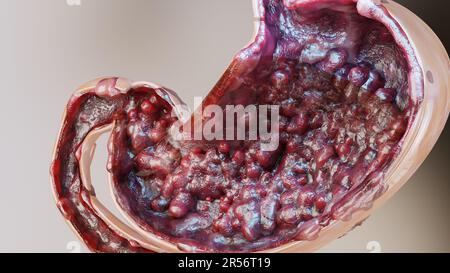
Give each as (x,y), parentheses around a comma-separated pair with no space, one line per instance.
(341,83)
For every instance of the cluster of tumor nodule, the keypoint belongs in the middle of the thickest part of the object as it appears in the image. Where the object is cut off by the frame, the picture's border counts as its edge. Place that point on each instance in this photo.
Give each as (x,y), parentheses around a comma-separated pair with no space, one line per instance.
(338,126)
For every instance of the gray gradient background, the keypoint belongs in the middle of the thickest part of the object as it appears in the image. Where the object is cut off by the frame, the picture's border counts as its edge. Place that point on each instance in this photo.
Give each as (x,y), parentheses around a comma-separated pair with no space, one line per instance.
(48,48)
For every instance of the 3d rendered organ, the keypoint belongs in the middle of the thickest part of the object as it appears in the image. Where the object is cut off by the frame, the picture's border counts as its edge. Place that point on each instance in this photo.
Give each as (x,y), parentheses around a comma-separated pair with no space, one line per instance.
(349,82)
